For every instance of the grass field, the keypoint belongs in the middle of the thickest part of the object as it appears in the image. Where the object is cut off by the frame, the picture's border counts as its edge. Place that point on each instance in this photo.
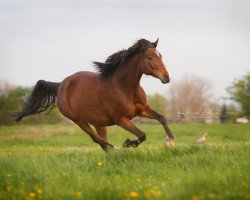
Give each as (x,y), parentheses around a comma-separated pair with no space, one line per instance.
(61,162)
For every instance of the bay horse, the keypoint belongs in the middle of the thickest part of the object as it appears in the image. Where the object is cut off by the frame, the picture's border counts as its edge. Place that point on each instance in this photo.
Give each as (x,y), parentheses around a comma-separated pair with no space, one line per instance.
(113,96)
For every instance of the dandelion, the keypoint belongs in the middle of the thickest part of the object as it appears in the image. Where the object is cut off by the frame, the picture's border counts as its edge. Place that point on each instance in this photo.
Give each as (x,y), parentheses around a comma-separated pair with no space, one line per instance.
(99,164)
(9,175)
(195,197)
(130,195)
(138,180)
(78,194)
(133,194)
(39,191)
(32,194)
(153,192)
(21,191)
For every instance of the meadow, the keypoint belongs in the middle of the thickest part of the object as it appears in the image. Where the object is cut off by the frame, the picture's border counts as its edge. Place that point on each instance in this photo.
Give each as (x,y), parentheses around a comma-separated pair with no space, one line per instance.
(61,162)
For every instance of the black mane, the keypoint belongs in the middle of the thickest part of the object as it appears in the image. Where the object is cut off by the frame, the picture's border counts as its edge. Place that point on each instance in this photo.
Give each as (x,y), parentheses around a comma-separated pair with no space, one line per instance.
(108,68)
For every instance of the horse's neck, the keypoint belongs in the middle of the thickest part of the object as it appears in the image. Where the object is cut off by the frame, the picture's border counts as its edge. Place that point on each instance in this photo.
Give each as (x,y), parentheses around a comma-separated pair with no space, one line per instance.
(128,77)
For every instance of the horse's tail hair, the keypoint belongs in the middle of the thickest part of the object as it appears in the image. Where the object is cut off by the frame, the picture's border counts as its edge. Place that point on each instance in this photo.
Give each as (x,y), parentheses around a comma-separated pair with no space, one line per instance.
(43,97)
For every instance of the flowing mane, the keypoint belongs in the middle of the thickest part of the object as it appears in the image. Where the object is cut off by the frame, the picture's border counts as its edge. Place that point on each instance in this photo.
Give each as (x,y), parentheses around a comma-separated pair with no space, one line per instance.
(114,61)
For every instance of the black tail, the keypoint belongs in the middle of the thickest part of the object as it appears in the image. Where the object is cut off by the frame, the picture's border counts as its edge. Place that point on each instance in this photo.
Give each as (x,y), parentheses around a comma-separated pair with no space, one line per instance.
(43,97)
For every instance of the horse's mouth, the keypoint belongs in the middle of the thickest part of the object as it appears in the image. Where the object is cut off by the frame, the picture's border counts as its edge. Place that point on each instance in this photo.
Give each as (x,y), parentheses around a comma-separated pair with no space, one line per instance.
(165,79)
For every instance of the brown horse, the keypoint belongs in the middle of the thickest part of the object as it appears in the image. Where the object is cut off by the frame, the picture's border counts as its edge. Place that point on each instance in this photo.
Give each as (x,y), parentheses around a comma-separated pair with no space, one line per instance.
(113,96)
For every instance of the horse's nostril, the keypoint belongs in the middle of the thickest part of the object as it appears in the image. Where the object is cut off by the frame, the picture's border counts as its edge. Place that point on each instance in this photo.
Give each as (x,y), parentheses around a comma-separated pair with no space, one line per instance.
(166,77)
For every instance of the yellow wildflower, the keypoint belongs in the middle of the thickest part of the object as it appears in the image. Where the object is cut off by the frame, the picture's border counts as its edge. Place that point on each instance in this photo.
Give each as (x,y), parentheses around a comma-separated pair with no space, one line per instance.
(9,175)
(151,192)
(78,194)
(21,191)
(195,197)
(99,164)
(133,194)
(32,194)
(39,191)
(138,180)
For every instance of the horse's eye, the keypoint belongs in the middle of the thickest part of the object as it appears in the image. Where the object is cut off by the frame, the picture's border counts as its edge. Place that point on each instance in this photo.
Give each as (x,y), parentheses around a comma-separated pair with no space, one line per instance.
(147,56)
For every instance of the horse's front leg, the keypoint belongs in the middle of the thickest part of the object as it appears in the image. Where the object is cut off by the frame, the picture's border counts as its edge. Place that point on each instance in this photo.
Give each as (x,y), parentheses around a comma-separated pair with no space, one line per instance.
(150,113)
(129,126)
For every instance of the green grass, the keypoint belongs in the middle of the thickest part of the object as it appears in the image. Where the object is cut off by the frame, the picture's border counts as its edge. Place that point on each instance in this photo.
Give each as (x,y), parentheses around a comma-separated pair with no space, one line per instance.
(61,162)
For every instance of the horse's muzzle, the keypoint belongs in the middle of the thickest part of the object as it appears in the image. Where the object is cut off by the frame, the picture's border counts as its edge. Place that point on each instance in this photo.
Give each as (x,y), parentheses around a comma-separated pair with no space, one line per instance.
(165,79)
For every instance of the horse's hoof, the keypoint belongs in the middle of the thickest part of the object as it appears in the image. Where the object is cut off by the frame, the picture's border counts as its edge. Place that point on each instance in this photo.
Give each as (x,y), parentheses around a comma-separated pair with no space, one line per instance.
(169,143)
(108,148)
(135,143)
(127,143)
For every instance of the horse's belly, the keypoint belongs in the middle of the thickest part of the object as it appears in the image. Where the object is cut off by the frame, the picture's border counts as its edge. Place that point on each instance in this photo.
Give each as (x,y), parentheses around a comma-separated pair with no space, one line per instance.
(94,113)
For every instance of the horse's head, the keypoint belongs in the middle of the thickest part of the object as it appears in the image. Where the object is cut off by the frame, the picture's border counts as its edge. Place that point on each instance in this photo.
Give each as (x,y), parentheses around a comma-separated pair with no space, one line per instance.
(151,62)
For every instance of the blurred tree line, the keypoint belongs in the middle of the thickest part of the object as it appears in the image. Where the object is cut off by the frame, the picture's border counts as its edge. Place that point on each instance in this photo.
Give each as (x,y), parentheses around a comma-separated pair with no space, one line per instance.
(190,100)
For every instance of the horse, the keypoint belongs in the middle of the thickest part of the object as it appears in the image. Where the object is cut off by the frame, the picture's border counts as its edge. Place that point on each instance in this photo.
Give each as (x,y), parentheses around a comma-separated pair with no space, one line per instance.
(110,96)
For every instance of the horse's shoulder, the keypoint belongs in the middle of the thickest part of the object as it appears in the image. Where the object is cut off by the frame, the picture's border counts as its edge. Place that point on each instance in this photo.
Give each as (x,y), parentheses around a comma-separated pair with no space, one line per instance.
(141,96)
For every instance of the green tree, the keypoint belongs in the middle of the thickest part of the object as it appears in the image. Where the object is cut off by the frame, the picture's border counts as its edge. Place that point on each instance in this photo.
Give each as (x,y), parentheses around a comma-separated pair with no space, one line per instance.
(239,91)
(10,102)
(158,103)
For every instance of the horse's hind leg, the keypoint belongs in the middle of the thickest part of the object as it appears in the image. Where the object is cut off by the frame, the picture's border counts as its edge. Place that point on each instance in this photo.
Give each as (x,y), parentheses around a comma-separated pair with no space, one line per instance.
(96,138)
(102,131)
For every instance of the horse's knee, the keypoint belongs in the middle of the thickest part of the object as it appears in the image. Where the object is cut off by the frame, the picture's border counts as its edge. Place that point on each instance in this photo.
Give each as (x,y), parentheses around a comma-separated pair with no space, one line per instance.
(162,119)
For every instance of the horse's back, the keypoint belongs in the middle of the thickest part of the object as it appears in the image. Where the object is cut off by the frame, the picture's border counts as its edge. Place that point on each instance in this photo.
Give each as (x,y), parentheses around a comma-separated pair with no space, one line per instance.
(81,80)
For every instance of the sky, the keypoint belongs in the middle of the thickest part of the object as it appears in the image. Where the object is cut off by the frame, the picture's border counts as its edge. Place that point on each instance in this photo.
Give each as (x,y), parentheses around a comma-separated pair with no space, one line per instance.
(52,39)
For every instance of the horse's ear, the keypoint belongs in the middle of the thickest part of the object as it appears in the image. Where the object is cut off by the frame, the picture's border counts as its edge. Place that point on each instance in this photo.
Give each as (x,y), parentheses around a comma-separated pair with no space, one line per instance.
(155,43)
